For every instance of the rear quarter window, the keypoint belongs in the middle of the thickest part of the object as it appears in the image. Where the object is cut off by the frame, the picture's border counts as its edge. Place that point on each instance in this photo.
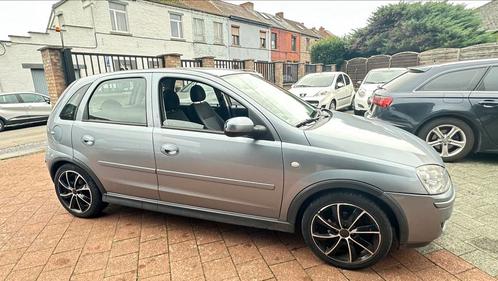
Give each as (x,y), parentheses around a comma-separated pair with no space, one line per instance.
(69,110)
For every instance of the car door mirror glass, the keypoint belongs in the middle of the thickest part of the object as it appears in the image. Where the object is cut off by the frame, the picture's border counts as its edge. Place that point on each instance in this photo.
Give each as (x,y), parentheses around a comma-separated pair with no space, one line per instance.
(340,85)
(358,82)
(243,126)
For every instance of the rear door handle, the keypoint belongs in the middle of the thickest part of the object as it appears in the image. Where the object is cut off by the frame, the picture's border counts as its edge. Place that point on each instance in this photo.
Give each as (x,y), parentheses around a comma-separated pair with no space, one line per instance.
(88,140)
(489,103)
(170,149)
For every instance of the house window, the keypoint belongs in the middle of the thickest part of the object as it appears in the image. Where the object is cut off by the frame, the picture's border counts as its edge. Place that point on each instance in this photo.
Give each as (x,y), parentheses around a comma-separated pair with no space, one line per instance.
(308,44)
(218,32)
(293,43)
(176,25)
(235,35)
(262,39)
(119,18)
(199,30)
(273,40)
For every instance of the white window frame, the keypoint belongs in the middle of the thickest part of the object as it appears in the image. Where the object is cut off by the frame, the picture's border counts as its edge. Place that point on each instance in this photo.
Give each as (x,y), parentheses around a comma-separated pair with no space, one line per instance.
(114,21)
(199,35)
(218,40)
(178,24)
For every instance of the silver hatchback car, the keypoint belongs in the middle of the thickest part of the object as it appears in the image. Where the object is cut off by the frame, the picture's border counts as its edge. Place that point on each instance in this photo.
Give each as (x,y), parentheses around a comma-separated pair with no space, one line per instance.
(230,147)
(23,108)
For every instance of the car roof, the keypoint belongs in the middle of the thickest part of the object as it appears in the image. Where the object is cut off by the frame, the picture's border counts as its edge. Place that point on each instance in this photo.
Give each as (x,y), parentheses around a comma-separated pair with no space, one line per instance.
(387,68)
(205,70)
(463,63)
(22,92)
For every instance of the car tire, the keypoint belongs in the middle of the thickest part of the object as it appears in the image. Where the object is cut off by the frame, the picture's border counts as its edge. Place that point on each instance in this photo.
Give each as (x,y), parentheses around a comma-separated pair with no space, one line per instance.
(359,112)
(333,105)
(77,192)
(453,142)
(341,244)
(2,125)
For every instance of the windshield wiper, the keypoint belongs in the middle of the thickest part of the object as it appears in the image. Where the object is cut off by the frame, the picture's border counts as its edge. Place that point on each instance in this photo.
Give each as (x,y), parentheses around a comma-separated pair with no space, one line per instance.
(307,121)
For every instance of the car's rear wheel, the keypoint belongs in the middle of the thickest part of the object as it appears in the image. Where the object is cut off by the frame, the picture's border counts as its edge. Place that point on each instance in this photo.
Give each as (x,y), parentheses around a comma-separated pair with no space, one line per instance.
(347,230)
(452,138)
(2,125)
(77,192)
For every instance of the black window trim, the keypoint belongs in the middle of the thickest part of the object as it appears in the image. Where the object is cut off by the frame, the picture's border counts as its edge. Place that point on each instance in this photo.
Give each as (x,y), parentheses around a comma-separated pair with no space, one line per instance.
(430,79)
(476,89)
(78,101)
(85,112)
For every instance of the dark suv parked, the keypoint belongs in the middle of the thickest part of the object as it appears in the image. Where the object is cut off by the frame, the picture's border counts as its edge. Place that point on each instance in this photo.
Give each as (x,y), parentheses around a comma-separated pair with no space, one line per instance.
(453,107)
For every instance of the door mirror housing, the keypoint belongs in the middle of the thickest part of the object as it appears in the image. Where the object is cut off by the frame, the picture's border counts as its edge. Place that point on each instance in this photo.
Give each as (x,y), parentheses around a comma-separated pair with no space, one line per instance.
(339,85)
(359,82)
(243,127)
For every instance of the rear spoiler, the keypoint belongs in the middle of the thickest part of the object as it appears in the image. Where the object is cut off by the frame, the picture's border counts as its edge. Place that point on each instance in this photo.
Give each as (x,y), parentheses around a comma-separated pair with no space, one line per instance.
(418,69)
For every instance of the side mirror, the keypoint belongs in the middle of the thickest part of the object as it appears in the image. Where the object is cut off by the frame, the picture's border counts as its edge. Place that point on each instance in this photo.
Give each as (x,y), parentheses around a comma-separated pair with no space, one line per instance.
(340,85)
(358,82)
(47,100)
(243,127)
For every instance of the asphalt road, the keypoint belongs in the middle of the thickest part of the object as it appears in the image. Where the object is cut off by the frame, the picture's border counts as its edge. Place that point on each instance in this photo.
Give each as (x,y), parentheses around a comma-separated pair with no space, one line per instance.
(16,141)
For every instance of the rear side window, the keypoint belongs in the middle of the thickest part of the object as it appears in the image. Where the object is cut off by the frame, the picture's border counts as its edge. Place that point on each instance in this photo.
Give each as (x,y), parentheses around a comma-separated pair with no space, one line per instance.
(4,99)
(490,81)
(463,80)
(346,78)
(30,98)
(71,107)
(119,101)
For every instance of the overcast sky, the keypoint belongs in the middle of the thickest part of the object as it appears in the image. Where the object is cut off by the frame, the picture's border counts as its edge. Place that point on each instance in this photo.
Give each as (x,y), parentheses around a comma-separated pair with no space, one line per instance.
(340,17)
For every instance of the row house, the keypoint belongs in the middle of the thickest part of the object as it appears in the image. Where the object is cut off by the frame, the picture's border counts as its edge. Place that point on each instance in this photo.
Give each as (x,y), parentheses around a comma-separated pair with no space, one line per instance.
(152,27)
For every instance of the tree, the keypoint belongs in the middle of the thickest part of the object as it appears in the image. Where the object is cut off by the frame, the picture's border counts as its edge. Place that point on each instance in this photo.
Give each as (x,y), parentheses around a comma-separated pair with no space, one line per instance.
(418,27)
(330,50)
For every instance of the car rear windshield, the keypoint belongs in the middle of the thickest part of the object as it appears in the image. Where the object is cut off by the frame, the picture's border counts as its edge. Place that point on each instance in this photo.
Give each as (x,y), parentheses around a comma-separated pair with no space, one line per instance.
(405,78)
(316,80)
(383,76)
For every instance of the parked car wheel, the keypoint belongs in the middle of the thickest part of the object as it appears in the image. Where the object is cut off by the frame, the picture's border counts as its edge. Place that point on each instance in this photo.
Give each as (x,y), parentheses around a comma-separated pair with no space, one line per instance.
(77,192)
(2,125)
(347,230)
(333,105)
(359,112)
(452,138)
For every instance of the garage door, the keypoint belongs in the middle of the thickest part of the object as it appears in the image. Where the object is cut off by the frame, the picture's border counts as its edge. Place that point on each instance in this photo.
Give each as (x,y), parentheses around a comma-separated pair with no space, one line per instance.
(39,81)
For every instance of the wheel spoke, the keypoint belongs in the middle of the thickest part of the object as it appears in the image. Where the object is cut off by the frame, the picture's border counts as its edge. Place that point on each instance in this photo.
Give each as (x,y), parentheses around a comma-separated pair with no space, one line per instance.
(327,223)
(71,202)
(457,143)
(338,214)
(438,132)
(333,247)
(444,150)
(76,181)
(359,244)
(324,236)
(354,231)
(63,185)
(65,194)
(350,251)
(82,197)
(452,132)
(435,143)
(67,180)
(357,218)
(83,188)
(78,202)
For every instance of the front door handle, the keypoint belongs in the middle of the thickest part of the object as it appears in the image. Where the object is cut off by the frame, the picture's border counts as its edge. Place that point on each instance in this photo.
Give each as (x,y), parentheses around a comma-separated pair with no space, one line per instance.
(88,140)
(489,103)
(170,149)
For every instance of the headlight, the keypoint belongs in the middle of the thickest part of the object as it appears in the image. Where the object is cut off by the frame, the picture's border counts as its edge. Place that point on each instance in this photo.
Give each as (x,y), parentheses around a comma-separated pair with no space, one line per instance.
(434,178)
(322,93)
(361,93)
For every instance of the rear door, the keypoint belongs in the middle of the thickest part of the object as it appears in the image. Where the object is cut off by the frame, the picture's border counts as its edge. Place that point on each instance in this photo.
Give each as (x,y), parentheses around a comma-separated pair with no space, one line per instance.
(11,109)
(37,105)
(112,135)
(484,102)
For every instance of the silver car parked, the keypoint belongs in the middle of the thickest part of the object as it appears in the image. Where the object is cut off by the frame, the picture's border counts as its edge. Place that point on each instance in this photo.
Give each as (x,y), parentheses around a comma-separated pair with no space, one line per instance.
(230,147)
(23,108)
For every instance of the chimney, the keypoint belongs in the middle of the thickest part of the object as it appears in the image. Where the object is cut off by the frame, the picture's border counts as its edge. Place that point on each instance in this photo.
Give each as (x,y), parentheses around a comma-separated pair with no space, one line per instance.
(280,15)
(248,5)
(322,28)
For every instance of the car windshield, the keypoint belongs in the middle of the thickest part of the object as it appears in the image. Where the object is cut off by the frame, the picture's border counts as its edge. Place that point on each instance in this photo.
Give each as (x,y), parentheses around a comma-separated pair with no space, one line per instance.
(316,80)
(383,76)
(279,102)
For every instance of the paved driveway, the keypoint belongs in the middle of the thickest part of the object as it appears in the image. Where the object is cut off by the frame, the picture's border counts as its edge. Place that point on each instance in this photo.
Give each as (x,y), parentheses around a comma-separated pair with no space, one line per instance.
(39,240)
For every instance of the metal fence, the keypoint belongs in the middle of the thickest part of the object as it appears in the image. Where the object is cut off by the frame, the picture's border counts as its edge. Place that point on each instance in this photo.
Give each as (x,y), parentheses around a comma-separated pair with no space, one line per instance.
(309,68)
(86,64)
(327,68)
(229,64)
(290,72)
(267,69)
(191,63)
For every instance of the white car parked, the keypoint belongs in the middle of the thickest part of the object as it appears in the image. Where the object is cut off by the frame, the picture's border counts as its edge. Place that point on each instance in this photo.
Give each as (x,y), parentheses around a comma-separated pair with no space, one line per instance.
(374,79)
(332,90)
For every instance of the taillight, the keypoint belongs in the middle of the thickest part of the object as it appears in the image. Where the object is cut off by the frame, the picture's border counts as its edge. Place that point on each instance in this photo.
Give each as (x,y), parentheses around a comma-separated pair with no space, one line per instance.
(382,101)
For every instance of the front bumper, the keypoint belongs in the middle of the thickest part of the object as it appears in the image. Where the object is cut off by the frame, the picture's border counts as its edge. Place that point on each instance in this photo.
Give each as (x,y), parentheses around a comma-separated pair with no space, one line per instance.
(315,101)
(426,215)
(361,102)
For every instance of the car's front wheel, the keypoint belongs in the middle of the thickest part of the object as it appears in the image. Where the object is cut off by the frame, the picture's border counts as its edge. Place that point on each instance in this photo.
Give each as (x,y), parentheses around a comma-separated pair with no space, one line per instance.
(452,138)
(2,125)
(347,230)
(77,192)
(333,105)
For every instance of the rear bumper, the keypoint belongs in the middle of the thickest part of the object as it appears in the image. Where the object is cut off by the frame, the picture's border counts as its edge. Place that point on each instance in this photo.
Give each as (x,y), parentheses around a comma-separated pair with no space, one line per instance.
(426,215)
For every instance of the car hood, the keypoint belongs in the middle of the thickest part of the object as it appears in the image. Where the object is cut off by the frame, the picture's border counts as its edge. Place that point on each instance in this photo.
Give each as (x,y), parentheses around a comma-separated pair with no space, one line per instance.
(307,91)
(373,139)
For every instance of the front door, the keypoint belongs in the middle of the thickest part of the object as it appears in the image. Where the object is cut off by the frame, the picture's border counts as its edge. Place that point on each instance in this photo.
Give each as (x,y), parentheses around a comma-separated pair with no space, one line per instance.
(12,109)
(205,168)
(37,105)
(113,137)
(484,102)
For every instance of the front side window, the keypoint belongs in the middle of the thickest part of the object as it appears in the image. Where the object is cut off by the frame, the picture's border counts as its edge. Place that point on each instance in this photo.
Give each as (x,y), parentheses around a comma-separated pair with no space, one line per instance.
(218,32)
(119,101)
(282,104)
(30,98)
(199,30)
(119,18)
(273,40)
(176,25)
(462,80)
(490,81)
(235,35)
(5,99)
(262,39)
(69,110)
(294,43)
